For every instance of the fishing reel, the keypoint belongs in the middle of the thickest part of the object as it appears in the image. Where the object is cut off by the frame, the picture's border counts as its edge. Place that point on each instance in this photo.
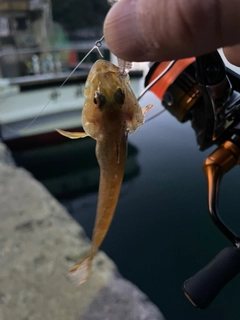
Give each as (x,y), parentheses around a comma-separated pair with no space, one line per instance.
(202,90)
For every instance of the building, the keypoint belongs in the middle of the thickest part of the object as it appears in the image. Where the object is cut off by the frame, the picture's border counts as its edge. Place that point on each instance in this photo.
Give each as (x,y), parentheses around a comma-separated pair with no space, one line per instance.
(24,24)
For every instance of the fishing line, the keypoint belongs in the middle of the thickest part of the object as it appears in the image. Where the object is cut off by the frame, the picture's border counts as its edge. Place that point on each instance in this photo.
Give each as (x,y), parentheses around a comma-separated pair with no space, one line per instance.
(126,66)
(151,84)
(96,46)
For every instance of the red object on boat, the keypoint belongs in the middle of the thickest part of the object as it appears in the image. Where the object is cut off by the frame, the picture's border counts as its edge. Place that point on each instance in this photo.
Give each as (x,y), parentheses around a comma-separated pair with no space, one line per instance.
(73,58)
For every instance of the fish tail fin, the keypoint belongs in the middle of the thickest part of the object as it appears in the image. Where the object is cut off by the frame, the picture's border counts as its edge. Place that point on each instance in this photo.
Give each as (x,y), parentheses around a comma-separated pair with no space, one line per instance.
(80,271)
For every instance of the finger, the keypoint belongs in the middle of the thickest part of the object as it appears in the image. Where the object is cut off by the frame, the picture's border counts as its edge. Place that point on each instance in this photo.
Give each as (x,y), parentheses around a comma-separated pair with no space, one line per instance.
(233,54)
(157,30)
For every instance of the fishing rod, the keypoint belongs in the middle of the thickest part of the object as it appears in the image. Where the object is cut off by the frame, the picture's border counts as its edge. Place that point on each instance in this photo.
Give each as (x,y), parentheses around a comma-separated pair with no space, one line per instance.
(206,93)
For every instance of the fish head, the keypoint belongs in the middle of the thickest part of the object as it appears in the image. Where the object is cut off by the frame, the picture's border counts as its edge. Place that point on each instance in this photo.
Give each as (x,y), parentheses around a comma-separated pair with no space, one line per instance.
(109,98)
(105,86)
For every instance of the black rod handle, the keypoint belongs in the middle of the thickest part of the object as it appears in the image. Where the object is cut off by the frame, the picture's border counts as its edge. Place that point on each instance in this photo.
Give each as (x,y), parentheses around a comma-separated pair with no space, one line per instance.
(204,286)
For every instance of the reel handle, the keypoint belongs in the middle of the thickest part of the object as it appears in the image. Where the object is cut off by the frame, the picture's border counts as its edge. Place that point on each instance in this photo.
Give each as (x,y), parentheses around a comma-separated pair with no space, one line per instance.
(204,286)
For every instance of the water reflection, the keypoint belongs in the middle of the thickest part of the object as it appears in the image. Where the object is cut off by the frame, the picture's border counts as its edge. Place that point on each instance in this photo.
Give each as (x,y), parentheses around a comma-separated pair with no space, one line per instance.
(70,169)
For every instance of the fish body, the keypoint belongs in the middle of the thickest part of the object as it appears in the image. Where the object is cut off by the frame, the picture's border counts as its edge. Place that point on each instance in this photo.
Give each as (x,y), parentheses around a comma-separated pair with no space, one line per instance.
(110,112)
(116,102)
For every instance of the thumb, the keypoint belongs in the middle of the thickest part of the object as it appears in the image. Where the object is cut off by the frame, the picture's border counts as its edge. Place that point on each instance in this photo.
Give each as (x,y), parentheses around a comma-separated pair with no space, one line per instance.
(158,30)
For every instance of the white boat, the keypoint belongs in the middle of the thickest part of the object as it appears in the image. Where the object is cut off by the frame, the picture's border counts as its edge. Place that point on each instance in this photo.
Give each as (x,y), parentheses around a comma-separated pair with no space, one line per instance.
(25,98)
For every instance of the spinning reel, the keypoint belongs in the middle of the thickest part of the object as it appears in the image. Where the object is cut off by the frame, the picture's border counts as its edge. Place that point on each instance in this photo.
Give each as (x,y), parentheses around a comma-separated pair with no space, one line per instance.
(202,90)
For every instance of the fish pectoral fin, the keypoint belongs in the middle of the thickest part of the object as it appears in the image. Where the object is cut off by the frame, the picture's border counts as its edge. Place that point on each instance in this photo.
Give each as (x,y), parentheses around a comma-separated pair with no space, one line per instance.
(72,135)
(146,109)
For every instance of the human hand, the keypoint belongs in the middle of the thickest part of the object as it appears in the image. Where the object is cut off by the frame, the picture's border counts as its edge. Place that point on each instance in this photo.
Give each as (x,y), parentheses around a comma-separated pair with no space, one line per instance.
(160,30)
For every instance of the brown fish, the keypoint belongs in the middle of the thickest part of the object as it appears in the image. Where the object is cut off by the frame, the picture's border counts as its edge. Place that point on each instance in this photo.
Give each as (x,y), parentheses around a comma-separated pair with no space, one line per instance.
(110,112)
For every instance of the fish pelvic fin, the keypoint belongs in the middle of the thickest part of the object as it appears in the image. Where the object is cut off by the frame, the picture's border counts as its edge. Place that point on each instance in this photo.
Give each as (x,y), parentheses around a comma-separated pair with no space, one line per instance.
(78,274)
(72,135)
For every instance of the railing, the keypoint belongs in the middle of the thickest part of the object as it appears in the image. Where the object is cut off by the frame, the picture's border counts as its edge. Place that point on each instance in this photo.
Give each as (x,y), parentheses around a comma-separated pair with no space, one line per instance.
(14,5)
(21,5)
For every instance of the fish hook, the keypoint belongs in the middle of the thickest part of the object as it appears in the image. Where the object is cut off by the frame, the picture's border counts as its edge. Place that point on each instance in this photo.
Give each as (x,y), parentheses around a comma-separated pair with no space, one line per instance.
(98,45)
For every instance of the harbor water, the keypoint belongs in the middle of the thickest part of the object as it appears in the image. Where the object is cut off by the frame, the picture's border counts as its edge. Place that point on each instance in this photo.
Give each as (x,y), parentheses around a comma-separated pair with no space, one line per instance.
(161,233)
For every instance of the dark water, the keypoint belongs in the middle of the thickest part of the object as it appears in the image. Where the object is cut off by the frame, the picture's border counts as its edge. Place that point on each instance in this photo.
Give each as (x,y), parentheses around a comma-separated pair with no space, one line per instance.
(161,233)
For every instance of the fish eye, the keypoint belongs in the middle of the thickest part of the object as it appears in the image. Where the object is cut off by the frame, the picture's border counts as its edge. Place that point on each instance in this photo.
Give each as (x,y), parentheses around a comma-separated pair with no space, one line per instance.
(99,99)
(119,96)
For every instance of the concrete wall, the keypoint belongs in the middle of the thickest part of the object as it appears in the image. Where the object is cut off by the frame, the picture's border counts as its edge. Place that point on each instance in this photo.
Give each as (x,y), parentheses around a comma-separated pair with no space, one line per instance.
(39,241)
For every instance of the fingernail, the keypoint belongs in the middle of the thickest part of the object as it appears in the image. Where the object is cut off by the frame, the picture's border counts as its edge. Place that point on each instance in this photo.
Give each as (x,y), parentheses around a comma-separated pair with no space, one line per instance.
(121,30)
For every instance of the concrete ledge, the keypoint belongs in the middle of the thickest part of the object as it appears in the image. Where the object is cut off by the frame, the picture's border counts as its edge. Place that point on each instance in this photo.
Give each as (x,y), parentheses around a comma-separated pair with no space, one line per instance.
(120,299)
(39,241)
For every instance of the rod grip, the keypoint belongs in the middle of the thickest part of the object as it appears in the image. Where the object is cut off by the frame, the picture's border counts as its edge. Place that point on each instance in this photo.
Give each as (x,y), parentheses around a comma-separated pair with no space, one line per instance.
(204,286)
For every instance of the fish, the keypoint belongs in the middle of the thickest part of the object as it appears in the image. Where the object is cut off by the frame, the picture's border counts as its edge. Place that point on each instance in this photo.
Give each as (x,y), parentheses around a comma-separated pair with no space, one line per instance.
(110,112)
